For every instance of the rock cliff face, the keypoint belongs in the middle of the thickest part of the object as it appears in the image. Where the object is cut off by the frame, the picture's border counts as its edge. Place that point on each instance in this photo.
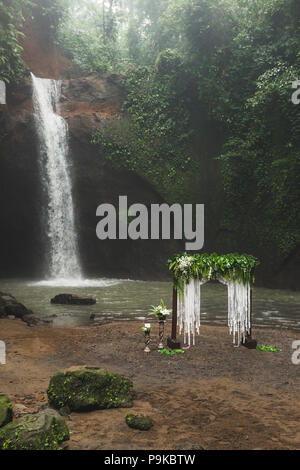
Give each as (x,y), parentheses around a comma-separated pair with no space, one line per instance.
(86,103)
(40,54)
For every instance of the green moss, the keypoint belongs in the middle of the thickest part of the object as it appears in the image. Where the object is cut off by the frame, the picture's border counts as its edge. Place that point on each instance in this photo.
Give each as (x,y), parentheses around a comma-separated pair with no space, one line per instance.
(89,388)
(140,421)
(267,348)
(170,352)
(6,410)
(43,431)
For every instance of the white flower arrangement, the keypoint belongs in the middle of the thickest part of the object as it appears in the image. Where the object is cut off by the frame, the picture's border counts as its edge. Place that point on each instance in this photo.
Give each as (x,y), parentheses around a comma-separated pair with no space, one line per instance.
(161,311)
(147,328)
(185,262)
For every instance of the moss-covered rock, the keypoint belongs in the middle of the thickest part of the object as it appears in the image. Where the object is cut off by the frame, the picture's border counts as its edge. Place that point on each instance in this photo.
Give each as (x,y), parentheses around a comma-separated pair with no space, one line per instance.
(141,422)
(6,410)
(89,388)
(45,430)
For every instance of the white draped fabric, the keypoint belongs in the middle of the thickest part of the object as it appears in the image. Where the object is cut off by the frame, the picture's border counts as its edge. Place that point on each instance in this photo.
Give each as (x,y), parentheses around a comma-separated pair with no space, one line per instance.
(188,310)
(239,320)
(189,307)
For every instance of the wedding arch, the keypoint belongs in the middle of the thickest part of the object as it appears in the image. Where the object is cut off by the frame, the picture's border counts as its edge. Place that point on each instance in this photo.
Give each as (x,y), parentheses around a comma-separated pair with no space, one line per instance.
(190,272)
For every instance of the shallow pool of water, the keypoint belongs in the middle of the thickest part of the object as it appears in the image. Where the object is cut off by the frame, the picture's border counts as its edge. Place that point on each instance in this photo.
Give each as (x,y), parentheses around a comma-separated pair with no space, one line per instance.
(131,300)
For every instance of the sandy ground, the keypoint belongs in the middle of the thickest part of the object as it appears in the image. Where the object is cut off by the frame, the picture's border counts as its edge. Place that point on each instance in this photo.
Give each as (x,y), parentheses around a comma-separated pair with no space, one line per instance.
(214,395)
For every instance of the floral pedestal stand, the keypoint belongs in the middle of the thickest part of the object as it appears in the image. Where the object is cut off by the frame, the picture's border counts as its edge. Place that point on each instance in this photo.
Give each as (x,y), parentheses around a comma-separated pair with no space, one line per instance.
(147,329)
(161,331)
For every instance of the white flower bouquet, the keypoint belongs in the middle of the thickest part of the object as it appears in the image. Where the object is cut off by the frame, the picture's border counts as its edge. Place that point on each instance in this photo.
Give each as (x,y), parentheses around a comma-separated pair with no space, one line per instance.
(184,263)
(160,311)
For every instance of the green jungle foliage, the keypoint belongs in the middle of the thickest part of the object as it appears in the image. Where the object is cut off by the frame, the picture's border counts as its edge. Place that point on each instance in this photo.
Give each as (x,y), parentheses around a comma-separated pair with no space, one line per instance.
(231,62)
(154,135)
(11,16)
(237,61)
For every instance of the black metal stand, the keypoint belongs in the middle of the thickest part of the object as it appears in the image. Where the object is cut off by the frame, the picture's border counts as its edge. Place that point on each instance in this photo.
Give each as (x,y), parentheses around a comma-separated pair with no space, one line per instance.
(172,343)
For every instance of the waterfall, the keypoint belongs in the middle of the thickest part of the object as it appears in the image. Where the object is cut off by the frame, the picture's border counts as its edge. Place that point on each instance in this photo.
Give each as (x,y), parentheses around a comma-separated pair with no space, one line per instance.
(53,139)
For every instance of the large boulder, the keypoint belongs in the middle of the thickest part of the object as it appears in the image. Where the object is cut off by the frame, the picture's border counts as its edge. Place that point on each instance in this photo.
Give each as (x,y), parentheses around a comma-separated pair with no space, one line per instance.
(45,430)
(89,388)
(6,410)
(10,306)
(72,299)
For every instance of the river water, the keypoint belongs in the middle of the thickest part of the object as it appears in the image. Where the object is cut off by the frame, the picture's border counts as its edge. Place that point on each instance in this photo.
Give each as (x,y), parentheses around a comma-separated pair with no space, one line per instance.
(131,300)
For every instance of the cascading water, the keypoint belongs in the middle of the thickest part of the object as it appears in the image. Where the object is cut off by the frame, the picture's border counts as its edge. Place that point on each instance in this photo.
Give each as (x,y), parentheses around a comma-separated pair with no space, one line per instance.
(53,136)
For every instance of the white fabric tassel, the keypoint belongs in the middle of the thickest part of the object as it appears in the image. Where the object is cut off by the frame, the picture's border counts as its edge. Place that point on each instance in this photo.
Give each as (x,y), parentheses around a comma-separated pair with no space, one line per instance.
(197,305)
(188,310)
(239,310)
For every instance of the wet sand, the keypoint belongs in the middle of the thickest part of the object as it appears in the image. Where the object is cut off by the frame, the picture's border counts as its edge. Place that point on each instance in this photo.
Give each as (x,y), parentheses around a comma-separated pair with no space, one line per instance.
(213,395)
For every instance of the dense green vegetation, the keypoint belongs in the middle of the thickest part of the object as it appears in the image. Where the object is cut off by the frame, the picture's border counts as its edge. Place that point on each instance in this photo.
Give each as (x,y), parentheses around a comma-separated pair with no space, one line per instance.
(11,66)
(232,62)
(237,61)
(154,135)
(12,16)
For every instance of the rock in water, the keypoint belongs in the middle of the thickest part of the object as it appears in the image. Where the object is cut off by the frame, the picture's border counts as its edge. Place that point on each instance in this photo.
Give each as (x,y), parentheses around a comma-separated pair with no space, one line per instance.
(141,422)
(72,299)
(10,306)
(45,430)
(6,410)
(89,388)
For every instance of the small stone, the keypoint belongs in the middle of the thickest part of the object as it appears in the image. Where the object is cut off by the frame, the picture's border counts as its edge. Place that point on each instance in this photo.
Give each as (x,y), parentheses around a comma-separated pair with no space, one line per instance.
(139,421)
(64,411)
(186,445)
